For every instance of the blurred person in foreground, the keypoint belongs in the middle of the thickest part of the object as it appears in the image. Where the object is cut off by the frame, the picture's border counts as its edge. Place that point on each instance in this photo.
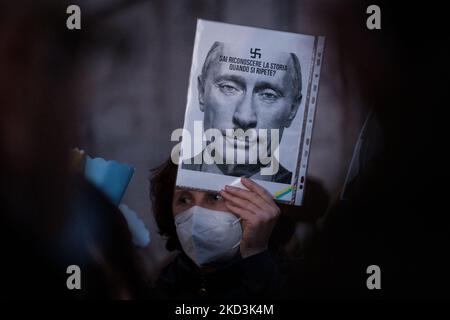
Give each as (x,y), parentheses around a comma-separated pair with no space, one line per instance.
(50,216)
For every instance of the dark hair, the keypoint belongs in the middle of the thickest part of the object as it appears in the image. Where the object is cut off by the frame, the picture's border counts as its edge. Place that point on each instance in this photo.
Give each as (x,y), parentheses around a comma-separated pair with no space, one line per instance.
(162,184)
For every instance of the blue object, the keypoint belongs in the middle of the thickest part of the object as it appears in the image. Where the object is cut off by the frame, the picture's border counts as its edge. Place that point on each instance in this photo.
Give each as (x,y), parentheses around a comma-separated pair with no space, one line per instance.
(139,232)
(111,177)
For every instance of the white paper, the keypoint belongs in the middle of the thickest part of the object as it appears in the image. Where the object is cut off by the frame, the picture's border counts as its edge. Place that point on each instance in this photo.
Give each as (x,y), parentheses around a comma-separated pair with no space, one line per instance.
(251,80)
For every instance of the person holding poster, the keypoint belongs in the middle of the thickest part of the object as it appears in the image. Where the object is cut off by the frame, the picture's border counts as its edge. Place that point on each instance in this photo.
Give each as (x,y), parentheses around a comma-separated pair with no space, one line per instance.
(223,240)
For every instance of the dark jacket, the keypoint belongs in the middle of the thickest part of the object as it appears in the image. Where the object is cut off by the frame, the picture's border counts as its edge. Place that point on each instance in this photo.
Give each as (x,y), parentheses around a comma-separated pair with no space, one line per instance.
(255,276)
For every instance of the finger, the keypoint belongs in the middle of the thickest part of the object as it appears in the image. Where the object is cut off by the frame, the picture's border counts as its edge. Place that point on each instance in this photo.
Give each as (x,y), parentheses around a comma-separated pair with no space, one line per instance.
(241,213)
(239,202)
(253,186)
(247,195)
(264,215)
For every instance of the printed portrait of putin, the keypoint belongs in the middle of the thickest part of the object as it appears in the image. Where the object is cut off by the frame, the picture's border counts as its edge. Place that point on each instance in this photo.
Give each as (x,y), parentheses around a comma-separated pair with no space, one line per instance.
(233,99)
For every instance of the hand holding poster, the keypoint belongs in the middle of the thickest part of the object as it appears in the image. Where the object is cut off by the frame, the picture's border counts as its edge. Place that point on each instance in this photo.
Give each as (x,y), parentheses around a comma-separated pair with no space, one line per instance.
(250,109)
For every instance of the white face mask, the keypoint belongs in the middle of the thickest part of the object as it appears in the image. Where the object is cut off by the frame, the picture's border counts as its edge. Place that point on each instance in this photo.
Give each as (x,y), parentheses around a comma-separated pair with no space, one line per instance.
(208,235)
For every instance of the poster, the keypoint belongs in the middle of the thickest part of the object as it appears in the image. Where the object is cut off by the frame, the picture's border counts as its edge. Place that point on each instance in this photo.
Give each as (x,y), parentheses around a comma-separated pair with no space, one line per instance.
(250,109)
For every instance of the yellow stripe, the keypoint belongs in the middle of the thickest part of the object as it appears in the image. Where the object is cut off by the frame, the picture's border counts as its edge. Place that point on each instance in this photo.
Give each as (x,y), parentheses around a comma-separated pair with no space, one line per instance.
(282,192)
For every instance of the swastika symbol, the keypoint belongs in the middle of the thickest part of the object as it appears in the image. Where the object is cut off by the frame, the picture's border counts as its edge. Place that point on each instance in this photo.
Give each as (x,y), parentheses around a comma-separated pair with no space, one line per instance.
(255,52)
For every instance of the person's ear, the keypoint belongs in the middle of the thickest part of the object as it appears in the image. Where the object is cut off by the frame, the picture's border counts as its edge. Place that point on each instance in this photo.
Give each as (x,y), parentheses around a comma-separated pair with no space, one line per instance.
(293,110)
(201,92)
